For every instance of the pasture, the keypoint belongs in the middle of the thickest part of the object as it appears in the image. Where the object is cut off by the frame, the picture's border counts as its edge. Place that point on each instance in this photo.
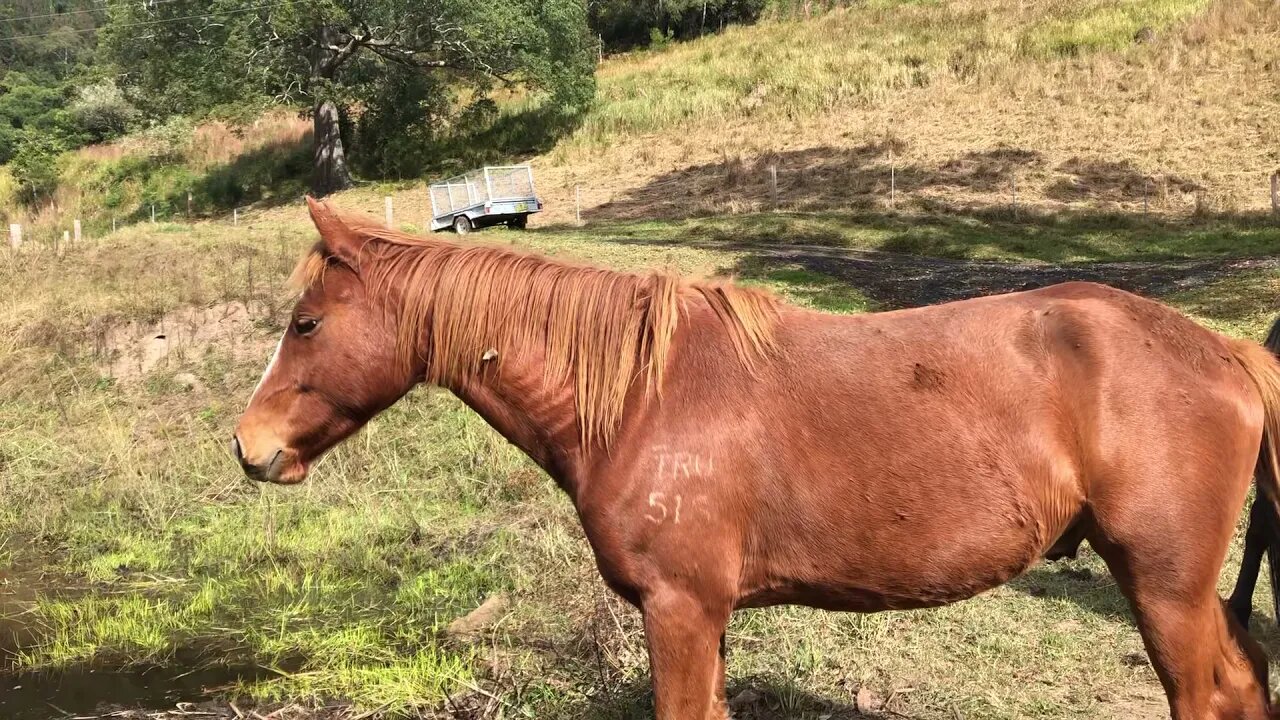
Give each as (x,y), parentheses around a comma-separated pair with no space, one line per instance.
(140,568)
(874,156)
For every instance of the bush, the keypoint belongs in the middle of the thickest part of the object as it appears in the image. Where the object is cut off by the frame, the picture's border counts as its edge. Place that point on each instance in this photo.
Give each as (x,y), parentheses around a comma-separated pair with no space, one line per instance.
(394,133)
(102,111)
(35,165)
(625,24)
(170,140)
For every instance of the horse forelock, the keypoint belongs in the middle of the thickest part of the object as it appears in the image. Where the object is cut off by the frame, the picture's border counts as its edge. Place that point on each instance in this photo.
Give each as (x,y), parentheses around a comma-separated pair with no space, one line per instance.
(599,330)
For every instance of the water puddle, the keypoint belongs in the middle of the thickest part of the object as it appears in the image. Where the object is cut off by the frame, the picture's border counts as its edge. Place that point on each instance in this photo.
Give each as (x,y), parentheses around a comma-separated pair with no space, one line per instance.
(90,691)
(93,692)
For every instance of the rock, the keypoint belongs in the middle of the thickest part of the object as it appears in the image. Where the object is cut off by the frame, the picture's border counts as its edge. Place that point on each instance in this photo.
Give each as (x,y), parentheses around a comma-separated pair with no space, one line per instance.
(490,611)
(744,699)
(187,381)
(1145,35)
(1134,659)
(867,701)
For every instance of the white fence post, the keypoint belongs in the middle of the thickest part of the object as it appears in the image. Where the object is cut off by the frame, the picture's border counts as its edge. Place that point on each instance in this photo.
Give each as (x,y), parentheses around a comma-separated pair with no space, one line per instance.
(235,217)
(390,211)
(1275,192)
(15,235)
(66,240)
(76,230)
(577,203)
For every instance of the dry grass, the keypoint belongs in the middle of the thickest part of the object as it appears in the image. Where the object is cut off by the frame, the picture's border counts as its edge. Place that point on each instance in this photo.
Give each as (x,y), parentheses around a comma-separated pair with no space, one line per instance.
(121,483)
(212,142)
(970,96)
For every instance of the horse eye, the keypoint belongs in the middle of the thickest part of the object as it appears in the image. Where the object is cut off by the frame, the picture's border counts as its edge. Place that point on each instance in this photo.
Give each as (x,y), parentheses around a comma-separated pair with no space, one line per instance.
(305,326)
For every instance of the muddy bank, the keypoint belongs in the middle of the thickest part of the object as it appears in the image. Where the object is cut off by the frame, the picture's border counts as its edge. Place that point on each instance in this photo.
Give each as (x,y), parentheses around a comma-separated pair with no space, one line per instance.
(146,692)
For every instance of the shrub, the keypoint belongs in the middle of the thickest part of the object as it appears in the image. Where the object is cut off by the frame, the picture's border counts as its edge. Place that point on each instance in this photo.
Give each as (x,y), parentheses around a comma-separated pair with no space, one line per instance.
(102,111)
(35,164)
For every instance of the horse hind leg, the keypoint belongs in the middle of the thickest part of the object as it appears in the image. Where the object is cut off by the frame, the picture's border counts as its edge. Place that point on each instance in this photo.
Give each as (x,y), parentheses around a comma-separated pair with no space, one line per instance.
(1208,666)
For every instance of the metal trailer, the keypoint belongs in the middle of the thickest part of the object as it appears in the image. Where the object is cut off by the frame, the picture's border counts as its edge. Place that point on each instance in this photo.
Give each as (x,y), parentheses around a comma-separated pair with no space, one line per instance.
(498,195)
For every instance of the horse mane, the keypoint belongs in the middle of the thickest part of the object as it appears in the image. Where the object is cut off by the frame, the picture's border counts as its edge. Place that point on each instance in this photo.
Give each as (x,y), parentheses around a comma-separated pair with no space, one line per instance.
(601,329)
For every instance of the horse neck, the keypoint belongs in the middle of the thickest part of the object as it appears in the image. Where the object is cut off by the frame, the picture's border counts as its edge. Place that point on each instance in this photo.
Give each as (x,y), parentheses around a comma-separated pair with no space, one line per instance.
(533,413)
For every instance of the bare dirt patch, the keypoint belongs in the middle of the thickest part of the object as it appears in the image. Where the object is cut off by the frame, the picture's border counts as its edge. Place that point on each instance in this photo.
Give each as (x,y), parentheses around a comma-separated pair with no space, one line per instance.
(131,351)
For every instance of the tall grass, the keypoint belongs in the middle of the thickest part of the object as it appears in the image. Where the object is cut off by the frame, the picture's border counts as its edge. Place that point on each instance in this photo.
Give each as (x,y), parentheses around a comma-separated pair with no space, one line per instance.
(179,169)
(789,68)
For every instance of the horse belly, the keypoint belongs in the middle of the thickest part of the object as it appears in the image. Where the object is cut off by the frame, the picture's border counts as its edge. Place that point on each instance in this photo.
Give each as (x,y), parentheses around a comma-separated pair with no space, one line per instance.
(893,543)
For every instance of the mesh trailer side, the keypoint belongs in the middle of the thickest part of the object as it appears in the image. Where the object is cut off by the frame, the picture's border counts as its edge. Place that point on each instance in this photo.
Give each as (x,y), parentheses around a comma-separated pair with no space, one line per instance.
(511,182)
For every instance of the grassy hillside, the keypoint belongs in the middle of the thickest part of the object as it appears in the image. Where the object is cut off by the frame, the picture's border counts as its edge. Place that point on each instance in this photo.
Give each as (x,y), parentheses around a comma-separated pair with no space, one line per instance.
(128,539)
(1149,107)
(962,99)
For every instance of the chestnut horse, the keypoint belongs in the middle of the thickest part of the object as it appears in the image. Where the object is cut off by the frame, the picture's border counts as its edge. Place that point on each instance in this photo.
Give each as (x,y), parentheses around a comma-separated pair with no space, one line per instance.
(726,450)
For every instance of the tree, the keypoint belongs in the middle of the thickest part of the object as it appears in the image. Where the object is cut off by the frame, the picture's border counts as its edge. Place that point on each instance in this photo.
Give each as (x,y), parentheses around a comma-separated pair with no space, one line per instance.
(192,55)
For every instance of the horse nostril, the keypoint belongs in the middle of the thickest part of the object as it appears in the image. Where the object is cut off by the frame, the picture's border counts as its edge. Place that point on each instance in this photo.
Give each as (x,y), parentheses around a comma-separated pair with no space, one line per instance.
(236,452)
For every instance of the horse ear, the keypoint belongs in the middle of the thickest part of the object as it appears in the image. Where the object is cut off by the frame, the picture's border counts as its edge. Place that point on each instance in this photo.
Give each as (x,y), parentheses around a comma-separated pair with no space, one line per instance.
(340,239)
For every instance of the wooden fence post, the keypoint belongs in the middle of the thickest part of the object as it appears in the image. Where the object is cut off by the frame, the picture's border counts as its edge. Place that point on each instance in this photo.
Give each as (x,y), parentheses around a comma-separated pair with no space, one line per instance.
(66,240)
(76,230)
(1275,192)
(153,213)
(577,203)
(390,211)
(235,217)
(893,180)
(15,236)
(773,185)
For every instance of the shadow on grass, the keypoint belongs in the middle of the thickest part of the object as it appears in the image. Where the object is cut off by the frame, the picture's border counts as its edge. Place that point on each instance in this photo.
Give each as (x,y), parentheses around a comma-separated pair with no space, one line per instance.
(1087,588)
(900,281)
(272,175)
(510,138)
(954,258)
(750,699)
(959,208)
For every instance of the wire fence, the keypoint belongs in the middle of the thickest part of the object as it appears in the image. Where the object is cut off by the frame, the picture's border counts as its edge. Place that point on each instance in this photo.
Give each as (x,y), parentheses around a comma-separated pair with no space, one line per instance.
(759,186)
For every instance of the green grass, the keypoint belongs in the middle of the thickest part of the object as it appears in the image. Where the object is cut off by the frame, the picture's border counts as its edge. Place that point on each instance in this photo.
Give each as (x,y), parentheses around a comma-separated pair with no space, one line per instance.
(158,553)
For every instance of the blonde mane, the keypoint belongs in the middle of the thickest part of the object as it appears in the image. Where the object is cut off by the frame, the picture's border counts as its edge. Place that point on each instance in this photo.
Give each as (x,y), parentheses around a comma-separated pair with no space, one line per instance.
(601,329)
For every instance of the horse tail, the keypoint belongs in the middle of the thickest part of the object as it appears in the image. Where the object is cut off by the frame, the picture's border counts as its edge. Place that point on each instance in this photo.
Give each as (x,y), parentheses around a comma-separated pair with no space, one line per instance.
(1263,367)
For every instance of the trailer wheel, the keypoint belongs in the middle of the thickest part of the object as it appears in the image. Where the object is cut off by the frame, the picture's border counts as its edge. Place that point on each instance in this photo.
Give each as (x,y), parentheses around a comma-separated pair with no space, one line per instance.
(462,224)
(518,222)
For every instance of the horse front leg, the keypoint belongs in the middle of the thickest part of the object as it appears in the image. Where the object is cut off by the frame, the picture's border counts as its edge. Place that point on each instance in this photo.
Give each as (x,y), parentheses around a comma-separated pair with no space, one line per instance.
(684,634)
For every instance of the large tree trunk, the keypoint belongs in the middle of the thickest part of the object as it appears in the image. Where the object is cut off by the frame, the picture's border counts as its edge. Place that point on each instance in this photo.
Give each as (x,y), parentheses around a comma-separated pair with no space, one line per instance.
(329,173)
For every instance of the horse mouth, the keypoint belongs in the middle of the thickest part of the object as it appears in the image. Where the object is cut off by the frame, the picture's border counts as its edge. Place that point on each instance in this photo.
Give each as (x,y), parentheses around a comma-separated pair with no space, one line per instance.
(285,468)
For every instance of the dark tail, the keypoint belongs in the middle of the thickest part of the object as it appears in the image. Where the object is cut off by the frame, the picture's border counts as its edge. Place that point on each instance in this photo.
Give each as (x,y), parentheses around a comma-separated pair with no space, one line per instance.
(1272,508)
(1264,521)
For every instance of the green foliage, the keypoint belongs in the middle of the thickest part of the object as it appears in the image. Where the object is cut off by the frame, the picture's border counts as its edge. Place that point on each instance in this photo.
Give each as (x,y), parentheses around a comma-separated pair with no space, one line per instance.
(35,164)
(47,52)
(402,62)
(28,107)
(102,111)
(394,132)
(624,24)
